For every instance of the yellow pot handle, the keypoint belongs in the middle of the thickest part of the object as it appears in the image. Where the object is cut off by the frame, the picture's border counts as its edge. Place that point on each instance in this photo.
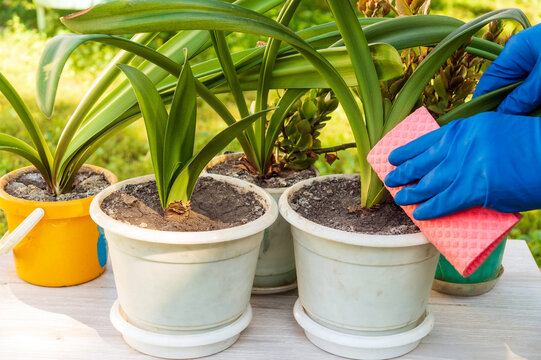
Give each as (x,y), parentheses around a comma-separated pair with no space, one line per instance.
(10,239)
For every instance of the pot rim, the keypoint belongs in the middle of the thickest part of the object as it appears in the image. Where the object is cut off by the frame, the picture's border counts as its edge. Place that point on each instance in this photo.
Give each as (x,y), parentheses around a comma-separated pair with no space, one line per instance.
(326,232)
(53,209)
(232,155)
(185,237)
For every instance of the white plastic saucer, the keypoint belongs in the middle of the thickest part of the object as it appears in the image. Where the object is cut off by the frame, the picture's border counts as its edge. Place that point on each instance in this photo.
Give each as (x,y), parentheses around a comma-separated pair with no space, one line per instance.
(185,346)
(273,290)
(362,346)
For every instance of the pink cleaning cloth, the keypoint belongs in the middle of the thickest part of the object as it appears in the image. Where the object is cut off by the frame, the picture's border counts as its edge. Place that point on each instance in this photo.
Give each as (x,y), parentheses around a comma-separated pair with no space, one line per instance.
(466,238)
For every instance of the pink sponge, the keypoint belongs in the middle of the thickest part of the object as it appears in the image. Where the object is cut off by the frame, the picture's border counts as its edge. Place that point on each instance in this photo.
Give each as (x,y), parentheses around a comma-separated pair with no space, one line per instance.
(465,238)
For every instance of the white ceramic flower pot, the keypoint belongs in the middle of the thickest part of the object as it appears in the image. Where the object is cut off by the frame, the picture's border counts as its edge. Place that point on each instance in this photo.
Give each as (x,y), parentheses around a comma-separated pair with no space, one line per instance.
(359,284)
(184,283)
(275,271)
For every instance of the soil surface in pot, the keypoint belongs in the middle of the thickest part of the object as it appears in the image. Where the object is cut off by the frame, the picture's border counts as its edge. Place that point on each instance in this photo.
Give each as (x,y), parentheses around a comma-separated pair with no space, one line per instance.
(215,205)
(30,185)
(285,178)
(336,203)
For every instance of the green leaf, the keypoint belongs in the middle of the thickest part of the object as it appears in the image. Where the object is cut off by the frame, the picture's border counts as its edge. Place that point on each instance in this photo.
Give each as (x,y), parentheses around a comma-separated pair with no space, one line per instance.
(364,68)
(229,71)
(155,117)
(304,143)
(180,129)
(54,57)
(295,72)
(184,184)
(265,75)
(308,109)
(19,147)
(44,155)
(224,56)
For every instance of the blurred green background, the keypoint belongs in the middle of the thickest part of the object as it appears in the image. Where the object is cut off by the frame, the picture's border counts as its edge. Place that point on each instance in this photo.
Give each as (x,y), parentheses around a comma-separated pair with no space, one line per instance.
(127,154)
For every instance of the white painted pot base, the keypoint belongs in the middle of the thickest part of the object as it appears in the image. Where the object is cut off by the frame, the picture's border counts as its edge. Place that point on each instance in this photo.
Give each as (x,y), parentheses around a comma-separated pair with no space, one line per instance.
(185,346)
(274,290)
(362,346)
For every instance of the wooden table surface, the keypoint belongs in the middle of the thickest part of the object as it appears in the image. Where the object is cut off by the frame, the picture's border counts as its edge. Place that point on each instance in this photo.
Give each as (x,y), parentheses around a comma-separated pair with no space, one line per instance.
(73,322)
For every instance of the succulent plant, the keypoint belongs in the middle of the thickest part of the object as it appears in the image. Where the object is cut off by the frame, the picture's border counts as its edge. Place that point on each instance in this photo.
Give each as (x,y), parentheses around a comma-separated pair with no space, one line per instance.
(300,132)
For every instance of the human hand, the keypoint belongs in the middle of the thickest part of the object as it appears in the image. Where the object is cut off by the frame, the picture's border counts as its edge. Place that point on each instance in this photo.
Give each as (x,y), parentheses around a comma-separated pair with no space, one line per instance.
(491,160)
(519,60)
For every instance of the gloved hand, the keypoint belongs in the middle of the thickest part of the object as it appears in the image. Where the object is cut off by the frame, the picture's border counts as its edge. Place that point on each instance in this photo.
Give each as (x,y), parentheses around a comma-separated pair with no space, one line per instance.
(491,160)
(519,60)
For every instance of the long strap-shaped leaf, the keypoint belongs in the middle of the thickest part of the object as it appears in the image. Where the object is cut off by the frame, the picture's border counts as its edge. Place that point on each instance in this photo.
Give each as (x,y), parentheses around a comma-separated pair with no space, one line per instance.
(44,155)
(364,68)
(295,72)
(262,94)
(155,117)
(12,144)
(180,132)
(226,62)
(425,71)
(369,89)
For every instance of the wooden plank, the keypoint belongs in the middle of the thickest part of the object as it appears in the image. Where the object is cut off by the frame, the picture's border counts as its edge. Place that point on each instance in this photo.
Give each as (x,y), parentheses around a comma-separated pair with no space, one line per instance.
(73,323)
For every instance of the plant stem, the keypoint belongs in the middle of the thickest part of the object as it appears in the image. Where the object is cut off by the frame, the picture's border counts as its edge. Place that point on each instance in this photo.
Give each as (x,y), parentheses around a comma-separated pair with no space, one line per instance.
(335,148)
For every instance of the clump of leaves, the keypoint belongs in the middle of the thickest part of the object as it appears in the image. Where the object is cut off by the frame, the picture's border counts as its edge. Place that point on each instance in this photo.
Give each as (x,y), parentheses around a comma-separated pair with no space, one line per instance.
(369,122)
(171,137)
(299,139)
(457,78)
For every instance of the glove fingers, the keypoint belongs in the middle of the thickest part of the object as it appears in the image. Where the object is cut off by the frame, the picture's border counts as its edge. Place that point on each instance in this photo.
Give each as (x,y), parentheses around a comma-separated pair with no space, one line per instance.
(416,168)
(525,98)
(496,76)
(416,147)
(512,65)
(430,185)
(451,200)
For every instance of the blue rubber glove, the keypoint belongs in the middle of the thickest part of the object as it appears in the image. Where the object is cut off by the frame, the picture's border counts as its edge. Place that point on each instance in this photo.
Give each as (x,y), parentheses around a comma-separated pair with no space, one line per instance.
(519,60)
(491,160)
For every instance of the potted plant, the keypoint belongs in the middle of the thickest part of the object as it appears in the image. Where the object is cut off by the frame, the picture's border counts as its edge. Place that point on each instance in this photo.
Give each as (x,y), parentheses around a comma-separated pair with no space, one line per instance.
(449,89)
(183,247)
(61,246)
(378,270)
(298,122)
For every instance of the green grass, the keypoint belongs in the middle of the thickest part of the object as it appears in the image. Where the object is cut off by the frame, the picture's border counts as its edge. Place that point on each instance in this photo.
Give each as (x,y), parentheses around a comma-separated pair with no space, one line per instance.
(127,153)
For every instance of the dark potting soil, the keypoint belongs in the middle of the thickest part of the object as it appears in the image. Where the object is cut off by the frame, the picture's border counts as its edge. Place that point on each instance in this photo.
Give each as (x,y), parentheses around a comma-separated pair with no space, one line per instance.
(336,203)
(30,185)
(214,205)
(285,178)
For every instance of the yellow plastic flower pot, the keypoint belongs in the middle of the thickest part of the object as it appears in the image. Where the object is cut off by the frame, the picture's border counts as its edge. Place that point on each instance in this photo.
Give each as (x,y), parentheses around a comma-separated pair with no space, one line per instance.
(66,247)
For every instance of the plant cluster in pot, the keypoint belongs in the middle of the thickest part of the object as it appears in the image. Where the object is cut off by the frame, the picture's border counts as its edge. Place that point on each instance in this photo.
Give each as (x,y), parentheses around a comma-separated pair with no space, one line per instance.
(365,295)
(449,89)
(183,247)
(54,240)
